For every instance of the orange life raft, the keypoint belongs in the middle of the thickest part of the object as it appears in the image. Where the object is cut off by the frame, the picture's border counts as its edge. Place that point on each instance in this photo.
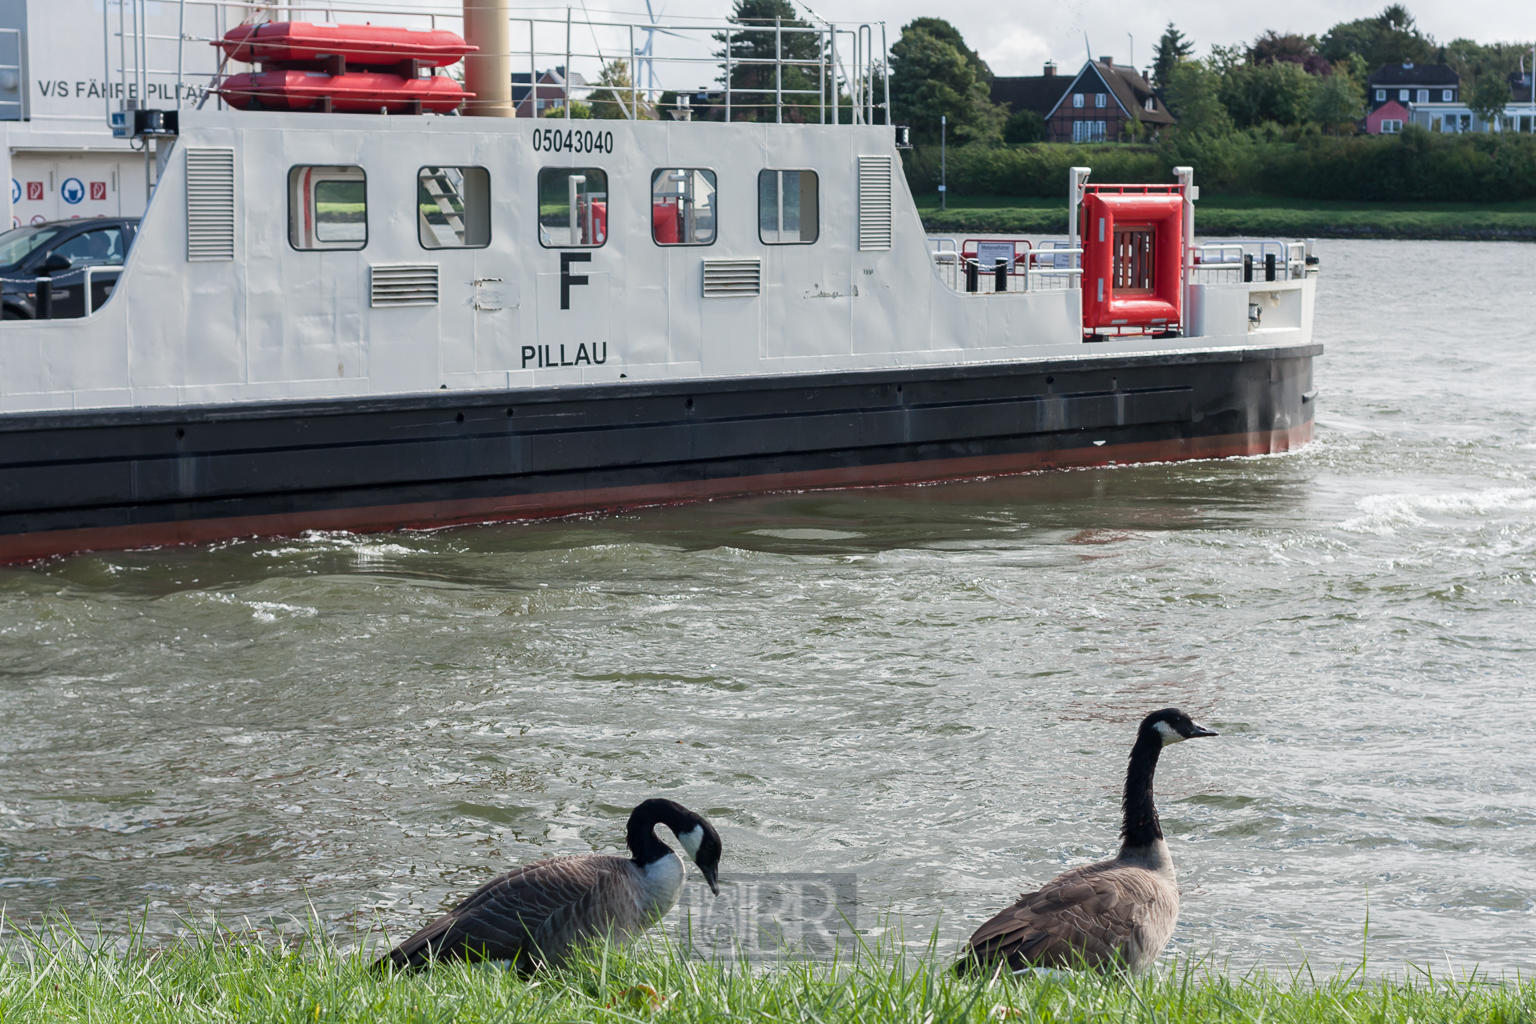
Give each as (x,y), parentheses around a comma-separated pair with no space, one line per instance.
(357,92)
(293,42)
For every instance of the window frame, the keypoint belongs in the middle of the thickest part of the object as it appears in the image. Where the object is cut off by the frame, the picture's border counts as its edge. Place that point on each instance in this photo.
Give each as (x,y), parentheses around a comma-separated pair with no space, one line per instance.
(1381,95)
(1447,96)
(1402,95)
(1100,100)
(780,192)
(1421,96)
(490,206)
(607,194)
(651,205)
(326,246)
(1078,101)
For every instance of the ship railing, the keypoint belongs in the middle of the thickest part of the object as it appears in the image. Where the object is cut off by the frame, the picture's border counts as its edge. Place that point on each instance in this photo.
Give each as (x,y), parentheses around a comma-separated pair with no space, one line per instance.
(946,256)
(1053,266)
(1232,260)
(59,286)
(821,72)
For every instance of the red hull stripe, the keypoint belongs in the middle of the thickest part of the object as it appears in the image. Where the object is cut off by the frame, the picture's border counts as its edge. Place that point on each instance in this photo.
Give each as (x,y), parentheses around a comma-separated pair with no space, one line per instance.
(436,514)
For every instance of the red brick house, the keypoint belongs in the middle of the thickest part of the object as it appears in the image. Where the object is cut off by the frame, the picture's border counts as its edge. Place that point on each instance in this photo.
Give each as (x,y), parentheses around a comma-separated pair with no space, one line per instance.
(1101,102)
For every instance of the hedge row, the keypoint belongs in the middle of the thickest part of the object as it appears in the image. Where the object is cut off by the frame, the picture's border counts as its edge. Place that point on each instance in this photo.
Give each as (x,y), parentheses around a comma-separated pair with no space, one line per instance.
(1416,166)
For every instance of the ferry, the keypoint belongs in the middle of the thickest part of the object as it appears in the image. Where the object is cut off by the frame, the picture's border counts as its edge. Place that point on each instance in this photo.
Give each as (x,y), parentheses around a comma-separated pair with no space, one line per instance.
(331,319)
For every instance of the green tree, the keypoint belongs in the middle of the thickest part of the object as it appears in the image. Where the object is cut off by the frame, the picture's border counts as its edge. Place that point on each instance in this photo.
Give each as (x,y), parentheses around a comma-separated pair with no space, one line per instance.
(1338,102)
(1389,38)
(579,111)
(1280,92)
(1024,126)
(1172,48)
(611,100)
(945,32)
(756,84)
(1194,98)
(930,78)
(1489,97)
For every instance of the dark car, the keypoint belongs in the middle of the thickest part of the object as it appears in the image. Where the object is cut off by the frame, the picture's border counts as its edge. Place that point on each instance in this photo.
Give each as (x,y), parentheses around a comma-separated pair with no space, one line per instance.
(71,252)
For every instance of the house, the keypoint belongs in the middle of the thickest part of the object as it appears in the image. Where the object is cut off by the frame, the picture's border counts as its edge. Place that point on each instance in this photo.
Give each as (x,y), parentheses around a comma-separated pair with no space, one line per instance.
(1408,82)
(1520,115)
(1387,119)
(1039,93)
(532,101)
(1100,104)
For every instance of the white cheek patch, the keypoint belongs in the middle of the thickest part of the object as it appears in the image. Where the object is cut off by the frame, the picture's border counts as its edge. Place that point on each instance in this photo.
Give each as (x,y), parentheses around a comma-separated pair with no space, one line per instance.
(1168,733)
(692,840)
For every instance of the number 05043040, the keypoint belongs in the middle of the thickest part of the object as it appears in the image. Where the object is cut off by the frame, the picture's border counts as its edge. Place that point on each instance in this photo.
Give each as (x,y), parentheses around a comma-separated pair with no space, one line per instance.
(572,140)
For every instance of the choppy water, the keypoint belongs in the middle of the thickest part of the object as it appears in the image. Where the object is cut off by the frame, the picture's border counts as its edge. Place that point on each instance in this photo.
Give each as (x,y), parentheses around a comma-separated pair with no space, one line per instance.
(932,687)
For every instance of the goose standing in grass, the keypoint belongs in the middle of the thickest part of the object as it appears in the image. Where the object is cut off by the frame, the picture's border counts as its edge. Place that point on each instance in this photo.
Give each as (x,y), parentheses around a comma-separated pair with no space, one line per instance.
(1117,913)
(534,915)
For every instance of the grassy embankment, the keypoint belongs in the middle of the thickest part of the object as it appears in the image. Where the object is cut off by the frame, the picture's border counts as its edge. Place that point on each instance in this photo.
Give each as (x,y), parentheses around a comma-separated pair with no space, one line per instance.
(223,979)
(1262,216)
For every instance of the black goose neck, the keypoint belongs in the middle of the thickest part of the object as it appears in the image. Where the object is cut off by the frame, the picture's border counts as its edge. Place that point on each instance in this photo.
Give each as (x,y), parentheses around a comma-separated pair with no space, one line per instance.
(640,834)
(1140,827)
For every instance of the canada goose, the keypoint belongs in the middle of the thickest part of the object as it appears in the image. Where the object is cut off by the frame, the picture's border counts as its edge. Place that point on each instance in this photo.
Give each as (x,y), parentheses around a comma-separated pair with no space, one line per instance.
(535,914)
(1116,913)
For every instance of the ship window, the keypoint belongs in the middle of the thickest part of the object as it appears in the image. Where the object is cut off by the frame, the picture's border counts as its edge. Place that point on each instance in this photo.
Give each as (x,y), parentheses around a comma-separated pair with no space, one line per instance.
(573,207)
(683,206)
(787,208)
(453,207)
(327,208)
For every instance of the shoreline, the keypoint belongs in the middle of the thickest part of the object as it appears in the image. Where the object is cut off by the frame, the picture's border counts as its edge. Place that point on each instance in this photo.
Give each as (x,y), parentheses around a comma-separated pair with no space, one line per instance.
(1405,224)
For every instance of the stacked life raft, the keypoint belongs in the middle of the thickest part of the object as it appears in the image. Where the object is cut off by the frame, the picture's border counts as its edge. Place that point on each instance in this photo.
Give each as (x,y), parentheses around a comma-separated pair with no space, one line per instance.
(343,68)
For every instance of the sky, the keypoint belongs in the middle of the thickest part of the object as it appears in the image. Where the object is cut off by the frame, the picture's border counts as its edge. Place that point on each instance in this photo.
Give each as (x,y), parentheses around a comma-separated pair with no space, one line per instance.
(1016,38)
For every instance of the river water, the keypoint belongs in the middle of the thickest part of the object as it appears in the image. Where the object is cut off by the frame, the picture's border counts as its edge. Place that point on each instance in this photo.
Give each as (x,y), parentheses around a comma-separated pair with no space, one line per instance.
(931,688)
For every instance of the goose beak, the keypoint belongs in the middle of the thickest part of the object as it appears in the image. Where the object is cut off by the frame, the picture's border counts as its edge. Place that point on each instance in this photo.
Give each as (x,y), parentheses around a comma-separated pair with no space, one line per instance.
(712,877)
(1201,730)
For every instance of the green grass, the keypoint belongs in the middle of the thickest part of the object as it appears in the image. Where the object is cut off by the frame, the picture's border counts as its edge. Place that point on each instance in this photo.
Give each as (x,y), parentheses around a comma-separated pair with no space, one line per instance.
(1257,215)
(56,976)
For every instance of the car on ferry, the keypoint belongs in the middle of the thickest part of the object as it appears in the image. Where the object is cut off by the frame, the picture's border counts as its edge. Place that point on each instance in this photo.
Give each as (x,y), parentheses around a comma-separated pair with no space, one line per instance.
(76,254)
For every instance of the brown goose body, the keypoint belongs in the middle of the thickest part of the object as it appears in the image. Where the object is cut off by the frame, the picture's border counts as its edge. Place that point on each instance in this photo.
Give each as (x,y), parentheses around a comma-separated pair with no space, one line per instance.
(538,914)
(1116,914)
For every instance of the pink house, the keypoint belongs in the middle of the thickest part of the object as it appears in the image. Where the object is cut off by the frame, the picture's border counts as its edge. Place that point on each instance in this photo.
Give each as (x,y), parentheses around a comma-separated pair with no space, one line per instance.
(1387,119)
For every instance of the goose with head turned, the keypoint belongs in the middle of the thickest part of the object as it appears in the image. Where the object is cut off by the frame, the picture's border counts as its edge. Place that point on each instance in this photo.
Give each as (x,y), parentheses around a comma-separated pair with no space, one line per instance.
(1116,914)
(536,915)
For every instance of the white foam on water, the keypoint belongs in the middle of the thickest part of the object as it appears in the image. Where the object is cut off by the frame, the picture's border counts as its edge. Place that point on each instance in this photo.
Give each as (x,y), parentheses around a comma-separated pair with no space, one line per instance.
(1385,514)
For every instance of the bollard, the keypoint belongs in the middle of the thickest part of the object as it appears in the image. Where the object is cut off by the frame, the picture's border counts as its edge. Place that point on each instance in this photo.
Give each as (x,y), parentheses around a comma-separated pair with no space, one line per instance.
(1269,266)
(43,306)
(1247,267)
(972,275)
(1002,276)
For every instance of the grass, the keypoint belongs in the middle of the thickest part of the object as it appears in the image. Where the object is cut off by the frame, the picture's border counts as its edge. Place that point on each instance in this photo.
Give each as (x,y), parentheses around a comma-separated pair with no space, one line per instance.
(54,975)
(1257,215)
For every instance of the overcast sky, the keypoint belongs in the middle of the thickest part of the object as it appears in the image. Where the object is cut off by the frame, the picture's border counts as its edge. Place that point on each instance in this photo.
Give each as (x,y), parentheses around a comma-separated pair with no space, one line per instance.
(1016,38)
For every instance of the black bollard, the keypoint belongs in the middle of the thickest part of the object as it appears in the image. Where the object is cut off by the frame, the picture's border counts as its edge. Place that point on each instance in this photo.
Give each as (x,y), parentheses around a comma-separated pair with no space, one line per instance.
(1269,266)
(1247,267)
(1002,276)
(972,276)
(43,306)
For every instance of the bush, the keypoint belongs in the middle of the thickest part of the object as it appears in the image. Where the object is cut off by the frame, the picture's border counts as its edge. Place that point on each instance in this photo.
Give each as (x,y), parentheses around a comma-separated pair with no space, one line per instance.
(1023,127)
(1034,170)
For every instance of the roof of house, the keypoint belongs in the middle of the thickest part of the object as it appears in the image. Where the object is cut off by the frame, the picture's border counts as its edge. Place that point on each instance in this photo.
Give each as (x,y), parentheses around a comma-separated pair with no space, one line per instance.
(1034,92)
(1519,89)
(1390,109)
(1129,88)
(1413,74)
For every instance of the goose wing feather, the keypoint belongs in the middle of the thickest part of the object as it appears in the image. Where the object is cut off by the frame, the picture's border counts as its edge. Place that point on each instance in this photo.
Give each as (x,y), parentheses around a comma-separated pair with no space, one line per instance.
(1097,916)
(533,913)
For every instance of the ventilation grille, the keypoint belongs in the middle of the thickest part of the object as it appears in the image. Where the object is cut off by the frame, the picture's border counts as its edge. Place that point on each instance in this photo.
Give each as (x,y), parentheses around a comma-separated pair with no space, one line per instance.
(403,284)
(874,202)
(210,204)
(724,278)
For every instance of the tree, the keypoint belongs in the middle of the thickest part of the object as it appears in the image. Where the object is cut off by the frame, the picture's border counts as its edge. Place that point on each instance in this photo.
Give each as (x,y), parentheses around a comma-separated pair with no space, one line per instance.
(945,32)
(1338,101)
(1489,98)
(1172,48)
(756,84)
(1024,126)
(611,99)
(1193,97)
(1280,92)
(930,78)
(1272,47)
(1389,38)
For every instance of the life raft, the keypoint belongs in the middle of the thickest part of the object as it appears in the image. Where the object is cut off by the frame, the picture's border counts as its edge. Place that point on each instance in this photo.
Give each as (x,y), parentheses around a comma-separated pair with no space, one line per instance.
(357,92)
(303,42)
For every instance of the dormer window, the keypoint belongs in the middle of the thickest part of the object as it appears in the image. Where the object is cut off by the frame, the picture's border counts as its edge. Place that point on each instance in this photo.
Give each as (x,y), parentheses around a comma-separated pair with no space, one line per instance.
(1151,104)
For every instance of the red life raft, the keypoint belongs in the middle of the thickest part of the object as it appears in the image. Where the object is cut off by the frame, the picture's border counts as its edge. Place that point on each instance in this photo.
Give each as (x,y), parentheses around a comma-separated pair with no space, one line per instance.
(357,92)
(1133,244)
(294,42)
